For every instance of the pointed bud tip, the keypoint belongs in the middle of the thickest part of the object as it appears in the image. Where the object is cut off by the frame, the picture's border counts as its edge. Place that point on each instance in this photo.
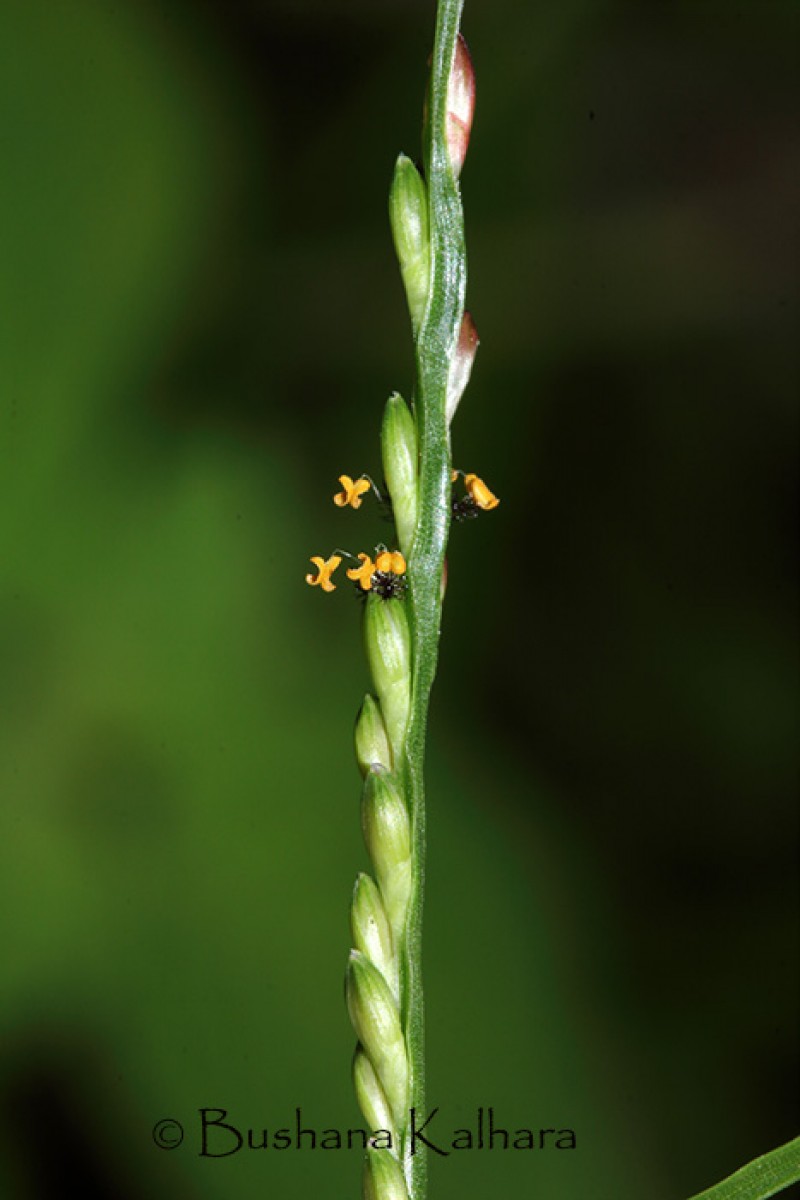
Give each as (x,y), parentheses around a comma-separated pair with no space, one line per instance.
(408,215)
(359,883)
(370,928)
(400,466)
(468,337)
(371,740)
(388,645)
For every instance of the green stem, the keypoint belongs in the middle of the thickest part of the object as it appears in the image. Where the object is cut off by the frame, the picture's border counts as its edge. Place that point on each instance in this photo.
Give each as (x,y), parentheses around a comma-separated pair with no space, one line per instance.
(763,1177)
(436,342)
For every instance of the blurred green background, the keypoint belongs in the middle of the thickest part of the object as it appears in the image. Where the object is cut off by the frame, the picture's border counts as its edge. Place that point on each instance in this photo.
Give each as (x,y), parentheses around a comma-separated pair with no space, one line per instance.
(201,319)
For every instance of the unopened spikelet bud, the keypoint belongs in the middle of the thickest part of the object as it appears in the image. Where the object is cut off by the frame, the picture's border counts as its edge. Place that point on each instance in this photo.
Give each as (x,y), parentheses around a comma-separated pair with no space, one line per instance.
(376,1021)
(387,835)
(461,365)
(371,739)
(371,1096)
(400,467)
(460,105)
(372,934)
(383,1177)
(388,646)
(408,214)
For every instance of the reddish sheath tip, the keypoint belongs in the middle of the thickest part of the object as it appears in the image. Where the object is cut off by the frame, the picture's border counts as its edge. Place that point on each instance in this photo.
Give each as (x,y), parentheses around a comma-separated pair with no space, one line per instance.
(460,104)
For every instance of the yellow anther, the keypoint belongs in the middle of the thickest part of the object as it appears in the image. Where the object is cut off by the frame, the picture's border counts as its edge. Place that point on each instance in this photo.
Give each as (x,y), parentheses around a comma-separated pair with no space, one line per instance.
(353,491)
(391,561)
(363,574)
(480,493)
(325,569)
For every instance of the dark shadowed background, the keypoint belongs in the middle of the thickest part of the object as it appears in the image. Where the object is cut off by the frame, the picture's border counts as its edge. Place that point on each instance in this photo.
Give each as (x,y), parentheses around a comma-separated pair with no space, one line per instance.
(201,320)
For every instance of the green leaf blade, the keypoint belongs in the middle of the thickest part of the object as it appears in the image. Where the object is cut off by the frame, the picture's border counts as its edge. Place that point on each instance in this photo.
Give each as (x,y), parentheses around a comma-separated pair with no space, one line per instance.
(761,1178)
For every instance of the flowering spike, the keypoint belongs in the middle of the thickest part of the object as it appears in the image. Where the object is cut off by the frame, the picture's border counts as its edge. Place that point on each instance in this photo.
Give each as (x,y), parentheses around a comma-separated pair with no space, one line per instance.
(400,466)
(376,1021)
(372,744)
(387,835)
(461,364)
(383,1177)
(480,493)
(352,491)
(408,215)
(460,105)
(372,934)
(325,569)
(388,646)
